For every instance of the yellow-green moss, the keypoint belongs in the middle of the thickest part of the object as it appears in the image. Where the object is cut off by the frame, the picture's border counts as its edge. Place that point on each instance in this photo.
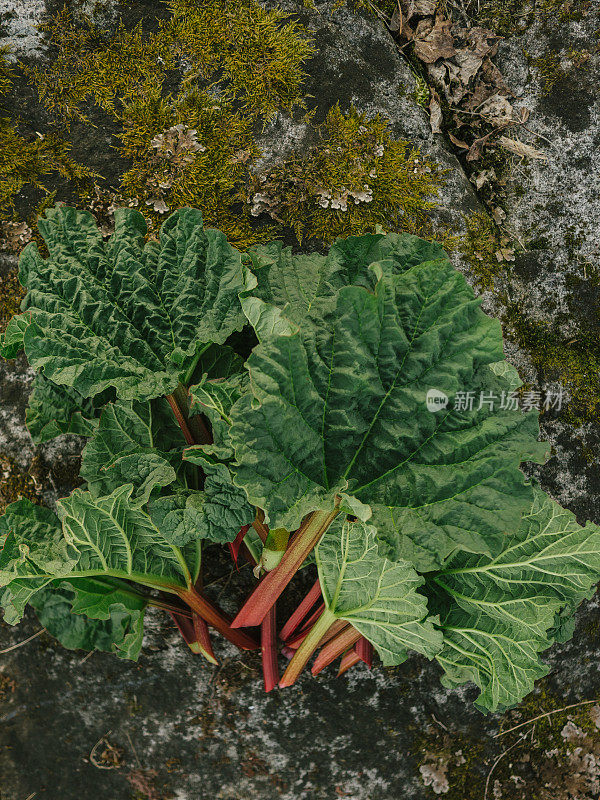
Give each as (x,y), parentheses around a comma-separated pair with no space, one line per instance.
(11,294)
(354,178)
(233,65)
(25,162)
(575,364)
(15,484)
(480,248)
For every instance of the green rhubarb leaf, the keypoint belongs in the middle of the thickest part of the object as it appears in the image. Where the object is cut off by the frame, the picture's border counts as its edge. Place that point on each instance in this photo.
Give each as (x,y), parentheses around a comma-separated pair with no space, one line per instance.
(92,614)
(54,410)
(123,314)
(378,597)
(113,535)
(32,550)
(472,515)
(215,399)
(91,536)
(498,614)
(217,361)
(225,509)
(289,284)
(340,407)
(138,443)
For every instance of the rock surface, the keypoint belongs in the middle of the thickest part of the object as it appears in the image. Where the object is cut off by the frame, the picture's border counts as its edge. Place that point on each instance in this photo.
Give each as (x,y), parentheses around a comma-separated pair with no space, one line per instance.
(171,727)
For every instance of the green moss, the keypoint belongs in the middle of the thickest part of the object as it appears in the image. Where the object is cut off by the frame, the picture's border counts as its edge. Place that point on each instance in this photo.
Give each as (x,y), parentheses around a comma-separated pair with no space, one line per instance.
(509,17)
(24,162)
(575,364)
(15,484)
(354,178)
(480,246)
(188,99)
(11,294)
(549,71)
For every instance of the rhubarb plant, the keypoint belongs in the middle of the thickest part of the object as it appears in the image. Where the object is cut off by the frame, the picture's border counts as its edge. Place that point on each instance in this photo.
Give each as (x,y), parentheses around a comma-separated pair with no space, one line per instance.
(273,406)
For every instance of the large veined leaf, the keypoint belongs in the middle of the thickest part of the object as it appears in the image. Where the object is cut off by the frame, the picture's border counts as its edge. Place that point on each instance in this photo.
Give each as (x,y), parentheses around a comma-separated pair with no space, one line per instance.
(460,510)
(227,508)
(114,536)
(92,536)
(378,597)
(291,283)
(54,410)
(215,399)
(498,614)
(92,614)
(28,562)
(340,406)
(122,314)
(138,443)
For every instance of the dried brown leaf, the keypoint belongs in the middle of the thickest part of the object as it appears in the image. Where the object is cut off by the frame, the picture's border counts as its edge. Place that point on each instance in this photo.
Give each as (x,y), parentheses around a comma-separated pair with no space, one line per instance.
(521,148)
(433,43)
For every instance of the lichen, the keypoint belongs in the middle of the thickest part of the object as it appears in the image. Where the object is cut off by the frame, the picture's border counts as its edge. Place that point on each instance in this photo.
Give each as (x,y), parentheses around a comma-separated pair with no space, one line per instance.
(355,177)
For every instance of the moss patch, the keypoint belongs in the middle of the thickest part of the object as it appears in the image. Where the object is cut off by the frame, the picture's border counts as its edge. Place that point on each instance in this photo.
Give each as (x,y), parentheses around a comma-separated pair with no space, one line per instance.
(26,161)
(354,178)
(15,484)
(11,294)
(187,99)
(574,364)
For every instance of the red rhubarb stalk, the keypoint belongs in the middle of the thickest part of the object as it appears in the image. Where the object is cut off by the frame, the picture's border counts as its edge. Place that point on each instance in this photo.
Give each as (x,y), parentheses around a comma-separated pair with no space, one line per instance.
(307,648)
(203,639)
(294,641)
(234,547)
(270,588)
(364,649)
(195,638)
(217,619)
(349,659)
(268,646)
(334,648)
(305,606)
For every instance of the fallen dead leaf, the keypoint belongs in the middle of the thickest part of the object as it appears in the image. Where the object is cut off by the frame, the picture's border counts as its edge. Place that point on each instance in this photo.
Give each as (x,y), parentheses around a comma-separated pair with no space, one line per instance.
(434,41)
(521,148)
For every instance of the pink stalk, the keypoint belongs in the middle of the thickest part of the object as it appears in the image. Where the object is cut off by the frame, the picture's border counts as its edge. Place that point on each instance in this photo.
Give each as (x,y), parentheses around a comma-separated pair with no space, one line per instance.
(268,646)
(194,636)
(364,650)
(348,637)
(217,619)
(305,606)
(293,641)
(349,659)
(270,588)
(234,547)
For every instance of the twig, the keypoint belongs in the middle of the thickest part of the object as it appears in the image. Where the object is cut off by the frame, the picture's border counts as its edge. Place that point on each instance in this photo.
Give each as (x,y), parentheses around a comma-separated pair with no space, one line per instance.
(95,747)
(85,658)
(441,724)
(134,750)
(20,644)
(31,796)
(497,761)
(541,716)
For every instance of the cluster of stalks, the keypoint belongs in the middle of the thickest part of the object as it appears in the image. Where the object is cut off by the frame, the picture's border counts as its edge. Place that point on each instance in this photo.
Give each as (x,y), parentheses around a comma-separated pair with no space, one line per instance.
(310,627)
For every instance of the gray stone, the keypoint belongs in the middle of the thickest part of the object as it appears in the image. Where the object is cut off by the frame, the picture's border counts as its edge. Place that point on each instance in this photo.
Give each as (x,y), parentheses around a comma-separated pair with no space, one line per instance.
(212,732)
